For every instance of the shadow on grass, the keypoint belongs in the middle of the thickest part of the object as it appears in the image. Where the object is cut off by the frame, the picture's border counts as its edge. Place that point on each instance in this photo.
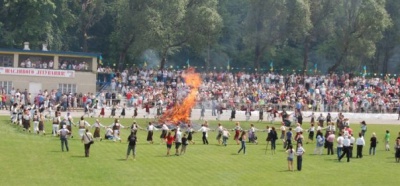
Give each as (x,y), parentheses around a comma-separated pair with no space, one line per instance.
(56,151)
(75,156)
(121,159)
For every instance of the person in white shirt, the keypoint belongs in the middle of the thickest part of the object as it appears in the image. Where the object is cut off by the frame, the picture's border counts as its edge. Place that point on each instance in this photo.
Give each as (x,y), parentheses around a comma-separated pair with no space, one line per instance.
(225,136)
(116,126)
(164,130)
(339,148)
(299,153)
(97,125)
(346,148)
(219,130)
(360,144)
(82,125)
(352,141)
(150,130)
(178,140)
(64,137)
(109,134)
(204,129)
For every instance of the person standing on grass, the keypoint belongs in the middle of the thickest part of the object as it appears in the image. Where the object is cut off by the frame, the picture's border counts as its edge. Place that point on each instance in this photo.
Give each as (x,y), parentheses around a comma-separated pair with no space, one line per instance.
(397,150)
(41,125)
(339,147)
(150,132)
(87,140)
(185,143)
(299,153)
(97,125)
(35,120)
(82,125)
(373,142)
(169,139)
(352,141)
(220,129)
(204,129)
(320,143)
(56,122)
(289,138)
(387,139)
(116,127)
(64,137)
(189,131)
(311,131)
(237,130)
(178,140)
(329,142)
(132,139)
(360,144)
(346,148)
(283,133)
(164,131)
(290,157)
(274,137)
(26,120)
(299,139)
(363,128)
(242,139)
(225,136)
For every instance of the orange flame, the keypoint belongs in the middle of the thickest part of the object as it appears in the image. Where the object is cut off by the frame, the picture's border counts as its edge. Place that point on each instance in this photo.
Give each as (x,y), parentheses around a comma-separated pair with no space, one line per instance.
(181,111)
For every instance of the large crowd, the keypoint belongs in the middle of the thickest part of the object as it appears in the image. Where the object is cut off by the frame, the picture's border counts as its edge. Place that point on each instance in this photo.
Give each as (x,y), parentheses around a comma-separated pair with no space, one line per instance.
(219,90)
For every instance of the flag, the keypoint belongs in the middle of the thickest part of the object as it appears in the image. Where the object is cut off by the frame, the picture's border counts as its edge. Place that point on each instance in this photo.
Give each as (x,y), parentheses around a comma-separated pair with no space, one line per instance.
(315,67)
(271,65)
(228,66)
(187,62)
(145,64)
(101,60)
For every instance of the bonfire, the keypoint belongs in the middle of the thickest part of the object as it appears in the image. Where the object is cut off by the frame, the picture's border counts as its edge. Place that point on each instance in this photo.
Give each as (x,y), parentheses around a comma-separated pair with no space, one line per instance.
(180,113)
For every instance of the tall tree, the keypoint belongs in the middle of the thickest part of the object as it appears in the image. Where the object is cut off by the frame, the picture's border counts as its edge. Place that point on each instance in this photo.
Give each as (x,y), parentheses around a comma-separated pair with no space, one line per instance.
(29,20)
(360,24)
(91,12)
(180,23)
(266,25)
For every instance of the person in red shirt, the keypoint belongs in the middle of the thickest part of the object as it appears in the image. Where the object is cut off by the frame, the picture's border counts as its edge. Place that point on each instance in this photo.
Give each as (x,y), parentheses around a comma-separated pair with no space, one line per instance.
(169,139)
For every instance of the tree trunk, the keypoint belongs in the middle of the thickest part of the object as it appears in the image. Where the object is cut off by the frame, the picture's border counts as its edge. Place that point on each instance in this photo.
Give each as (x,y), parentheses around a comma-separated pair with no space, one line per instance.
(305,54)
(333,68)
(163,59)
(124,52)
(208,57)
(85,43)
(385,62)
(257,55)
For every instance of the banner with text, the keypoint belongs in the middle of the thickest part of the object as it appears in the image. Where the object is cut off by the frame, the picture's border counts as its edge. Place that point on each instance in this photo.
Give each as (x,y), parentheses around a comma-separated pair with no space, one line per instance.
(37,72)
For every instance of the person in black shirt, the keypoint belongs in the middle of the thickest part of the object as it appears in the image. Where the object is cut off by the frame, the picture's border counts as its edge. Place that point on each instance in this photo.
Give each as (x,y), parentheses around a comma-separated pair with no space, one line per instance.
(132,139)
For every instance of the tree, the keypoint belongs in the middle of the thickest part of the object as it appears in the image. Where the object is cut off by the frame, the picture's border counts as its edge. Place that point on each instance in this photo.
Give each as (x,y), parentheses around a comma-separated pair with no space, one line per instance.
(91,12)
(359,25)
(180,23)
(265,23)
(29,20)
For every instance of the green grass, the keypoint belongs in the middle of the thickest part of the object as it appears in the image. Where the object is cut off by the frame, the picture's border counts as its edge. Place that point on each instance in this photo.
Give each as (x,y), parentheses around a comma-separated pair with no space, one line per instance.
(28,159)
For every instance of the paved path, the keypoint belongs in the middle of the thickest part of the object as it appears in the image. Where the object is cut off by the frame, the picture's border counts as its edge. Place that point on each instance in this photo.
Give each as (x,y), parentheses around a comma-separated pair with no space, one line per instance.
(240,116)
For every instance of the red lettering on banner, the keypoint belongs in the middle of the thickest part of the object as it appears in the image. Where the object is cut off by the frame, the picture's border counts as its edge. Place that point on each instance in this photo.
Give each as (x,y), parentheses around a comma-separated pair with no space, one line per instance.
(37,72)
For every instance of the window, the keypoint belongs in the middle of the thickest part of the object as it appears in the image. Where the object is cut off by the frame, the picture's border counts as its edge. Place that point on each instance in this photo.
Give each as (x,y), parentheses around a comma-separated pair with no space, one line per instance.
(67,88)
(27,61)
(5,86)
(6,60)
(72,63)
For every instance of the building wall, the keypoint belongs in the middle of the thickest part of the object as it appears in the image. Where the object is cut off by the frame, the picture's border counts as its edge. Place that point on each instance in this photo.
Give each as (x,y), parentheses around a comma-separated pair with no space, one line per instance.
(85,82)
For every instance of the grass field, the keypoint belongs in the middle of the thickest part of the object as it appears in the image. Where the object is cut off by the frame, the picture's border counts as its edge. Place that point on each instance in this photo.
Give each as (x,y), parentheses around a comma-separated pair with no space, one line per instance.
(28,159)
